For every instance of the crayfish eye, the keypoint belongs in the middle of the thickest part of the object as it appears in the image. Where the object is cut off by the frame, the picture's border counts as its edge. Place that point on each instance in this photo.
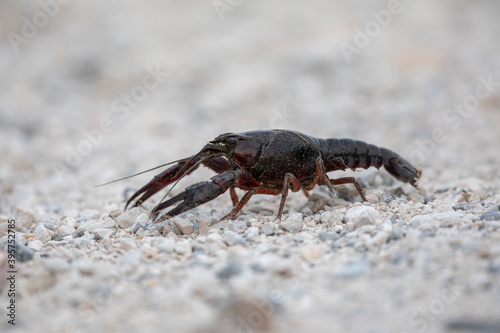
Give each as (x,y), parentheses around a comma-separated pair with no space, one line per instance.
(231,142)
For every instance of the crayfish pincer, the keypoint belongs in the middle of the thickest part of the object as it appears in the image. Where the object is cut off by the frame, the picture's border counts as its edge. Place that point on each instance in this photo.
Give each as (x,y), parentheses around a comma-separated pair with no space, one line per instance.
(271,162)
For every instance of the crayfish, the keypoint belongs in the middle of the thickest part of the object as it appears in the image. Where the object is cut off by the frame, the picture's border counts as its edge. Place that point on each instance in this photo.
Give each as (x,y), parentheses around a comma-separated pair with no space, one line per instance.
(270,162)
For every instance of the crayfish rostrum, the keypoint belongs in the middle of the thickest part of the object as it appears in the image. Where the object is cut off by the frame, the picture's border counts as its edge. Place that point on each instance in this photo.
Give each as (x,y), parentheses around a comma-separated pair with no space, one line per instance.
(271,162)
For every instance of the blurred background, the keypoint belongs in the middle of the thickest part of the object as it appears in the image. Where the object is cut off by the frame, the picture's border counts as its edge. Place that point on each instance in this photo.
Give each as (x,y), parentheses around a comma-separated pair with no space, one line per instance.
(93,91)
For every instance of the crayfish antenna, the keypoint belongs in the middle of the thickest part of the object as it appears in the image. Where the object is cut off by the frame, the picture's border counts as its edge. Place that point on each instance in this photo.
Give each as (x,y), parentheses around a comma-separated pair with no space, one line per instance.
(139,173)
(178,180)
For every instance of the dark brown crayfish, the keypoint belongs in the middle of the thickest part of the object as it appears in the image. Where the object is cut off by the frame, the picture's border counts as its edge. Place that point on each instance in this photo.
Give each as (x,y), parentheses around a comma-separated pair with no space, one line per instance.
(271,162)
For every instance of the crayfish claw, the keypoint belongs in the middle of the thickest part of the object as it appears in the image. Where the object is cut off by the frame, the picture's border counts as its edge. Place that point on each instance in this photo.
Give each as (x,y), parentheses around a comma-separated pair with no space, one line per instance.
(196,195)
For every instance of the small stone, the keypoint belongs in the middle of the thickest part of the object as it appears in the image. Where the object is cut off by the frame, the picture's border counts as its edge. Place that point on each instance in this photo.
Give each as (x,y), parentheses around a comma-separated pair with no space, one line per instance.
(311,252)
(387,198)
(184,225)
(137,227)
(229,270)
(128,244)
(131,258)
(35,245)
(325,236)
(155,233)
(463,206)
(353,270)
(325,217)
(361,215)
(252,233)
(231,238)
(428,199)
(191,218)
(238,226)
(380,238)
(446,219)
(49,225)
(371,198)
(103,233)
(164,229)
(149,252)
(42,234)
(349,226)
(338,228)
(203,228)
(91,225)
(293,223)
(267,229)
(209,220)
(215,237)
(69,221)
(64,231)
(171,235)
(129,217)
(183,247)
(165,245)
(142,218)
(24,218)
(306,211)
(492,214)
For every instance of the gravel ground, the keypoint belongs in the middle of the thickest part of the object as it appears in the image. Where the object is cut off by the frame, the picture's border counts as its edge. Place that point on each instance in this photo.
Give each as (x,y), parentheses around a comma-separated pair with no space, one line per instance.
(96,91)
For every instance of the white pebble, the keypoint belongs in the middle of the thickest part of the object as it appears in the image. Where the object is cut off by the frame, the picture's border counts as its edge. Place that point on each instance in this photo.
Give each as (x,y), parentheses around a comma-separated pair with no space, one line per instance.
(64,231)
(349,226)
(128,244)
(103,233)
(267,229)
(35,245)
(183,247)
(42,234)
(293,223)
(325,217)
(128,217)
(91,225)
(252,233)
(69,222)
(231,238)
(24,218)
(184,225)
(238,226)
(311,252)
(361,215)
(380,238)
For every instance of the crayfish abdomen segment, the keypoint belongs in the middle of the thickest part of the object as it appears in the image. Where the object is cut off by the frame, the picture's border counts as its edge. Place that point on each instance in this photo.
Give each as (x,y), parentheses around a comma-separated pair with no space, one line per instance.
(341,154)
